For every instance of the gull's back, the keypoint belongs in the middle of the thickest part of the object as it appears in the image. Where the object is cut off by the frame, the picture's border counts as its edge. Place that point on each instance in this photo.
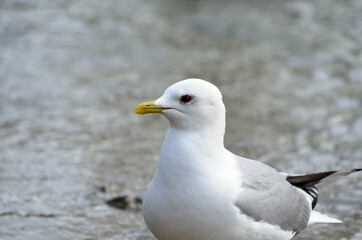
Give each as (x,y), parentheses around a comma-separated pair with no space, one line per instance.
(266,196)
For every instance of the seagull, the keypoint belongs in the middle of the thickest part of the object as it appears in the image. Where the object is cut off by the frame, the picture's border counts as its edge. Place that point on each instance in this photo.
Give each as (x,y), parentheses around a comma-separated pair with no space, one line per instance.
(202,191)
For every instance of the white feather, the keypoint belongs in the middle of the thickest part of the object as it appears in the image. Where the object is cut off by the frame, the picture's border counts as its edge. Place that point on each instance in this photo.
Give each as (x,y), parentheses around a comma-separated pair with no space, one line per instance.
(317,217)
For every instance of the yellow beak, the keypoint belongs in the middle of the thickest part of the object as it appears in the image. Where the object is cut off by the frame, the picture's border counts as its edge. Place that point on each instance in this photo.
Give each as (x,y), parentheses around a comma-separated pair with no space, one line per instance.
(148,107)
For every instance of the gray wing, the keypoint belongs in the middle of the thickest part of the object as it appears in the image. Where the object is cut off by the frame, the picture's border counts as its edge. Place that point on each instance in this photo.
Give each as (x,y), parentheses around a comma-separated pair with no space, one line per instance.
(266,196)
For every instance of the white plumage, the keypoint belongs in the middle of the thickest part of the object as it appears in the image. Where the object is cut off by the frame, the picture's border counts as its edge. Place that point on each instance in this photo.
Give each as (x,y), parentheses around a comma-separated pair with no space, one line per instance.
(201,191)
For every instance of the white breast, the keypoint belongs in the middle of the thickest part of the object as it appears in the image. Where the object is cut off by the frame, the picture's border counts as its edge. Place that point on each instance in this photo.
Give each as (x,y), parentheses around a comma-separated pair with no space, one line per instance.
(192,194)
(192,212)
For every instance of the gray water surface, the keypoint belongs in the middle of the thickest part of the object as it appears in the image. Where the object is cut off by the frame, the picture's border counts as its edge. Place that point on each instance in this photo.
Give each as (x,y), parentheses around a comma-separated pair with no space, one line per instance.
(71,73)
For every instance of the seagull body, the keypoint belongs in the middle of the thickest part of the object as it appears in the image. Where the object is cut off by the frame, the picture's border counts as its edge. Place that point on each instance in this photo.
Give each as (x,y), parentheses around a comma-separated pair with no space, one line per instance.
(202,191)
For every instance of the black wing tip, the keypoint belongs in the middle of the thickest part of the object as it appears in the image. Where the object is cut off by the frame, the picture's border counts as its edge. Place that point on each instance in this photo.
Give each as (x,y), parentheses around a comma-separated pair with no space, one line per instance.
(309,180)
(350,170)
(313,192)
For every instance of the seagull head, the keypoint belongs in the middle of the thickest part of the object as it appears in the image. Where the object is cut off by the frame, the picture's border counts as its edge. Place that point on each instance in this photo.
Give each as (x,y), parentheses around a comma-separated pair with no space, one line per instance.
(189,104)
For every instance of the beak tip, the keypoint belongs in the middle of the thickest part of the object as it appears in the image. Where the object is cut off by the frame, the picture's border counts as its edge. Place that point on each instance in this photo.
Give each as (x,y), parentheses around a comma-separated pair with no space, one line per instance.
(136,111)
(143,108)
(149,107)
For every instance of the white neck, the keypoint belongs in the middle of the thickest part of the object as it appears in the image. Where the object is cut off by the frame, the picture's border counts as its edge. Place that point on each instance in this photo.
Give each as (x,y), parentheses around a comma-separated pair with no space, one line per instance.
(185,154)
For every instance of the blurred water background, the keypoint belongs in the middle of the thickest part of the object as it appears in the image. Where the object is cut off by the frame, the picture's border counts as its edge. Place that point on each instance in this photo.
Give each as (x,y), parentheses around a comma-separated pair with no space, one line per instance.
(71,73)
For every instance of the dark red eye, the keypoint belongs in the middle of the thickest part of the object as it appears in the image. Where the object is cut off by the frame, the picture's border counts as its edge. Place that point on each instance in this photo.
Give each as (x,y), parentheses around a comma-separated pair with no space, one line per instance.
(185,98)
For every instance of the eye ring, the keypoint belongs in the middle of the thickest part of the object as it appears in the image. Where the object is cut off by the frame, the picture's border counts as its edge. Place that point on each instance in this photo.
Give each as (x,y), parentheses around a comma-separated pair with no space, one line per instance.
(186,98)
